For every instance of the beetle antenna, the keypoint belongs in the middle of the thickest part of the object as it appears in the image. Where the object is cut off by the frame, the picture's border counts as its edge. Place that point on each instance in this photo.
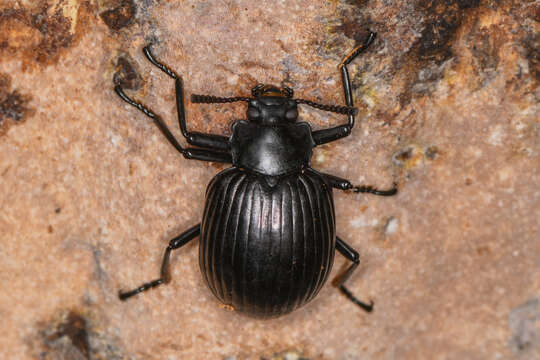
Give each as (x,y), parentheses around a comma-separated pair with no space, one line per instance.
(208,99)
(346,110)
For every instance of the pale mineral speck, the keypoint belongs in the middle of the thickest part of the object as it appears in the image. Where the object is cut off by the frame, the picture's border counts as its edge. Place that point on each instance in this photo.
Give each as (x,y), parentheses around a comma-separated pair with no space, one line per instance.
(370,102)
(505,173)
(330,82)
(115,139)
(232,80)
(392,226)
(320,157)
(363,221)
(495,135)
(477,152)
(487,197)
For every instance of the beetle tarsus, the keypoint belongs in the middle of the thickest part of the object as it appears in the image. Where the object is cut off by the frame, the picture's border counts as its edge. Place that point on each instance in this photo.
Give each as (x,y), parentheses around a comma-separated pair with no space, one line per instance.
(349,253)
(343,184)
(165,278)
(366,307)
(161,66)
(371,190)
(357,50)
(126,295)
(157,120)
(118,89)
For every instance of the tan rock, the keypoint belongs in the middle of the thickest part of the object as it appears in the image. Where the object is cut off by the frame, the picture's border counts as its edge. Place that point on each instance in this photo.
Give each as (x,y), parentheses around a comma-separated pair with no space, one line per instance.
(90,192)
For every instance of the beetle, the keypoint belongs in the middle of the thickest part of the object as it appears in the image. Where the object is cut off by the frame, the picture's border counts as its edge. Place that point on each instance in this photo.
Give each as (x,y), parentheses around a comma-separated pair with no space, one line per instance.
(268,233)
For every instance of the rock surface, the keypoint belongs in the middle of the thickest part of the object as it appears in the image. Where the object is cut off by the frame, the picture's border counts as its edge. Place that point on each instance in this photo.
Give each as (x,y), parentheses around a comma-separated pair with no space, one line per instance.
(91,192)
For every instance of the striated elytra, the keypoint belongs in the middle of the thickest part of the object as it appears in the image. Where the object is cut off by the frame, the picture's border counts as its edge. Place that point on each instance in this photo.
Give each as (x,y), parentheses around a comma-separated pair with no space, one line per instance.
(268,233)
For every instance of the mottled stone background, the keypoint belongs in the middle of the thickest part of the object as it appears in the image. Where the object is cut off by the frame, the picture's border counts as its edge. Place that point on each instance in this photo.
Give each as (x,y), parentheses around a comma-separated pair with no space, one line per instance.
(90,192)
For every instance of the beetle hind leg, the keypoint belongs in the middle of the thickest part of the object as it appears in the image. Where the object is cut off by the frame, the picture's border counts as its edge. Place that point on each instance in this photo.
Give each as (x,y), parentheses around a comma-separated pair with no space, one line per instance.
(352,255)
(165,277)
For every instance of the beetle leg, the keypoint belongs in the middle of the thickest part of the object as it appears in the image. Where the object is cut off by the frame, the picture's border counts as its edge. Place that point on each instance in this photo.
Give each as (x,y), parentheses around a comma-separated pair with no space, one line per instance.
(352,255)
(165,277)
(189,153)
(343,184)
(327,135)
(208,155)
(210,141)
(374,191)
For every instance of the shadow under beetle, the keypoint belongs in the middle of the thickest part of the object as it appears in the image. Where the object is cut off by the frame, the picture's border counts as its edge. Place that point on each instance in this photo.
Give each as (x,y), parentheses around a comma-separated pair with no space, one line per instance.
(268,234)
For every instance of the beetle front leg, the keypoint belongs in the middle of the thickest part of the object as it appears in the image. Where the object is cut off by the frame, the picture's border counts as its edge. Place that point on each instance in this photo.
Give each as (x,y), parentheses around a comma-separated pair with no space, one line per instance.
(165,277)
(189,153)
(353,256)
(210,141)
(327,135)
(343,184)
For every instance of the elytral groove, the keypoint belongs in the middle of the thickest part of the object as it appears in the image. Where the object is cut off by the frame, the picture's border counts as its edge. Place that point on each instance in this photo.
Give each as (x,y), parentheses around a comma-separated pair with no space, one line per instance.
(225,283)
(236,233)
(217,243)
(315,235)
(293,258)
(207,231)
(307,234)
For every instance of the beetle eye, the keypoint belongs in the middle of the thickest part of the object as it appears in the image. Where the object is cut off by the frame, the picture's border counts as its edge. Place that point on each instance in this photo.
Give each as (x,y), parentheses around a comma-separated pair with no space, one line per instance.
(253,113)
(291,114)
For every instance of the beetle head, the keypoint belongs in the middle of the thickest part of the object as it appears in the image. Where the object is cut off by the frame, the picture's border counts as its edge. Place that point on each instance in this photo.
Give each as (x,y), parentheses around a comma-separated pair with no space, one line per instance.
(272,105)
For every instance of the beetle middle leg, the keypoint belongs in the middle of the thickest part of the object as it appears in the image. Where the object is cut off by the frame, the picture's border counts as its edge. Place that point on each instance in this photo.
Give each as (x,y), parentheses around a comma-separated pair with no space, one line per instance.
(165,277)
(343,184)
(210,141)
(352,255)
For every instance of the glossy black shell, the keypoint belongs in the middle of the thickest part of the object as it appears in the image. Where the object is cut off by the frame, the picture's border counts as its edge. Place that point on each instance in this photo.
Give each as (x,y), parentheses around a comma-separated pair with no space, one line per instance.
(271,150)
(267,243)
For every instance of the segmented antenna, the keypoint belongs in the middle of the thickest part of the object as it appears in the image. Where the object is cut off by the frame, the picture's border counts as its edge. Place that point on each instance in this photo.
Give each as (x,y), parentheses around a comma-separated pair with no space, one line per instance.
(346,110)
(208,99)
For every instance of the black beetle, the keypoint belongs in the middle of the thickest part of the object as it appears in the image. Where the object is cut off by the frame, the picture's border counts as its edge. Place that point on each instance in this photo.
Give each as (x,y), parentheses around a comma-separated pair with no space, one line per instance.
(267,236)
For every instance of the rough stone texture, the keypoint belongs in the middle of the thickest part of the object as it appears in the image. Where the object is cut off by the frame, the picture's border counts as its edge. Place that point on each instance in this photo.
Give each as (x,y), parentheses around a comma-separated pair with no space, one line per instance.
(91,192)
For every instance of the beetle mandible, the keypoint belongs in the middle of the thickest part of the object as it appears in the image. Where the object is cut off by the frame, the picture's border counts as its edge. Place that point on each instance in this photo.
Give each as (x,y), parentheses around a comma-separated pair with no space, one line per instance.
(268,234)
